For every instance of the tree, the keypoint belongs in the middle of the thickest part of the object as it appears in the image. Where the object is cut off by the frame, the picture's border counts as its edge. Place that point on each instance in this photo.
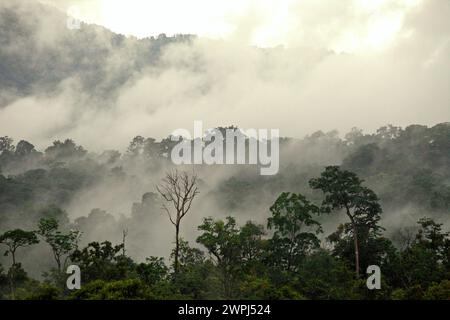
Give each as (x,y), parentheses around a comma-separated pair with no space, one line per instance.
(354,137)
(62,151)
(439,291)
(343,190)
(15,239)
(294,228)
(152,149)
(6,151)
(6,145)
(426,260)
(3,281)
(363,157)
(235,250)
(62,244)
(221,239)
(102,261)
(127,289)
(252,247)
(24,148)
(152,271)
(373,249)
(389,132)
(179,189)
(323,277)
(136,146)
(44,292)
(194,276)
(431,236)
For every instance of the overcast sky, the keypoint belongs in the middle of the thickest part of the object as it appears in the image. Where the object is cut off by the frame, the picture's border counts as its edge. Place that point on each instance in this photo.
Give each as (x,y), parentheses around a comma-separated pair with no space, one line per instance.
(342,25)
(348,63)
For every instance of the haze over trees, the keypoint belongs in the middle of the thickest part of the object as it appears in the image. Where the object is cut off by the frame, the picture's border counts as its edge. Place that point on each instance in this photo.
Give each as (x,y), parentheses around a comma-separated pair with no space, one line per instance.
(322,226)
(77,188)
(179,190)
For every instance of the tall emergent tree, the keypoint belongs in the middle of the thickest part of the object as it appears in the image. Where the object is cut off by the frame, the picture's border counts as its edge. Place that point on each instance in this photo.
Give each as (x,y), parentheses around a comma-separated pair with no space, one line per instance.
(178,189)
(15,239)
(344,191)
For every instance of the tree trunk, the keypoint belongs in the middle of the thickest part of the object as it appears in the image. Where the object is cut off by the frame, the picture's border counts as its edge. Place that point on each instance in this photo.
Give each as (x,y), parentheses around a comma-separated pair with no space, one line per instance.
(11,277)
(57,260)
(177,246)
(355,238)
(124,239)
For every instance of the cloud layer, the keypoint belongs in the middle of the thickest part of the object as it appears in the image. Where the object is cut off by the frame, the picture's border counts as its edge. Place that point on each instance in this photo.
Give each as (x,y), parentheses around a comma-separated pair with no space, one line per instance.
(299,89)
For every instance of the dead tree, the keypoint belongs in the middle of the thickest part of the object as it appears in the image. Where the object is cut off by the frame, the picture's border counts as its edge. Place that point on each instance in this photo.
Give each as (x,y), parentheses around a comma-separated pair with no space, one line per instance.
(124,238)
(179,190)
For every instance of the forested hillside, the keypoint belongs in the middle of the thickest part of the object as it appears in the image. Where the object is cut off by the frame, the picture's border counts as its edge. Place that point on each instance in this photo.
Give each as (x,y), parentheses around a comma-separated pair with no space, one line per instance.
(75,191)
(407,169)
(32,63)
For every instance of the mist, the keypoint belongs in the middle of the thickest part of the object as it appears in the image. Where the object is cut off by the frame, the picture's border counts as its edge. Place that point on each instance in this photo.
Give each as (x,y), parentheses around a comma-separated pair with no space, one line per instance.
(102,89)
(230,83)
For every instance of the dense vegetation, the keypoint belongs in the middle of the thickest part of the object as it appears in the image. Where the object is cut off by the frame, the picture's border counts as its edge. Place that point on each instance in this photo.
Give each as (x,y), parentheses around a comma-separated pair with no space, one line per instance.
(323,225)
(31,64)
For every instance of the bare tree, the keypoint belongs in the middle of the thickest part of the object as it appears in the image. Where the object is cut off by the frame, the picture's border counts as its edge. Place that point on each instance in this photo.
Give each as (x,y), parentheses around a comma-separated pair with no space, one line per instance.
(124,239)
(179,190)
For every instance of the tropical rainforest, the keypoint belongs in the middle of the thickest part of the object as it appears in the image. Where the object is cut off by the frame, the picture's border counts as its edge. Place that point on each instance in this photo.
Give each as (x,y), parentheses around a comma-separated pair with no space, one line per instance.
(312,234)
(87,180)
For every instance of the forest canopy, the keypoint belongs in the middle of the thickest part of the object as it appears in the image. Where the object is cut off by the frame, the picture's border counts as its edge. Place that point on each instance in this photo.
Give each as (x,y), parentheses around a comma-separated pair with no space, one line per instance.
(337,206)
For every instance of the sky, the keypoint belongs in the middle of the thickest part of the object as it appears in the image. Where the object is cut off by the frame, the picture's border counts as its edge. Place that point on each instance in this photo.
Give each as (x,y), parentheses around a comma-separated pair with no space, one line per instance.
(342,64)
(339,25)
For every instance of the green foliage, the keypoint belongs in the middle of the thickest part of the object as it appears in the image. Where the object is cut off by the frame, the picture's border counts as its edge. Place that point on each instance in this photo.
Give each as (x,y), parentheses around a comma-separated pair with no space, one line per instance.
(233,249)
(404,166)
(62,244)
(294,228)
(130,289)
(401,168)
(3,282)
(62,151)
(15,239)
(102,261)
(196,276)
(18,282)
(152,271)
(343,190)
(412,164)
(253,247)
(410,293)
(425,261)
(323,277)
(241,265)
(44,292)
(6,145)
(438,291)
(363,157)
(221,239)
(373,249)
(256,288)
